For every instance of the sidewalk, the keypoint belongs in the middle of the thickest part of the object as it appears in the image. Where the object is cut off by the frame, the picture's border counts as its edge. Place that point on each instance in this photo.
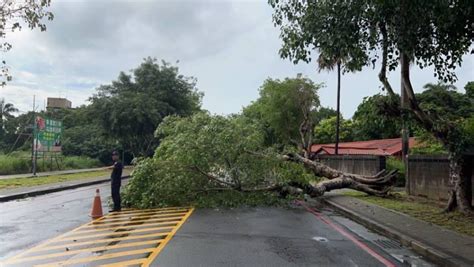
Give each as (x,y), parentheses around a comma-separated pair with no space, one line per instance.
(23,192)
(443,247)
(39,174)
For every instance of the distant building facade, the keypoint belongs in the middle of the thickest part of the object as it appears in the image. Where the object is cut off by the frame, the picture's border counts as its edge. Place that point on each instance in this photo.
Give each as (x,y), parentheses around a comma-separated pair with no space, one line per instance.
(56,103)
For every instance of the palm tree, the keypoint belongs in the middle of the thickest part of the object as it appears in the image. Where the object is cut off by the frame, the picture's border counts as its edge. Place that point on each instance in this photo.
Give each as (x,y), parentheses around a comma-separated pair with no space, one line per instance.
(328,63)
(6,110)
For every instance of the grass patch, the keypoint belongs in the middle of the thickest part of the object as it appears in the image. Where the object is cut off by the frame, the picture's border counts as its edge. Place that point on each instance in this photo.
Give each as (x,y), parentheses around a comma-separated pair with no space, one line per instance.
(20,162)
(420,209)
(34,181)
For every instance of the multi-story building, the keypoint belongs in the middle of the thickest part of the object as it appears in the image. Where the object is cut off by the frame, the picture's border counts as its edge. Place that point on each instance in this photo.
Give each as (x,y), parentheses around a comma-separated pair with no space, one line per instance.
(55,103)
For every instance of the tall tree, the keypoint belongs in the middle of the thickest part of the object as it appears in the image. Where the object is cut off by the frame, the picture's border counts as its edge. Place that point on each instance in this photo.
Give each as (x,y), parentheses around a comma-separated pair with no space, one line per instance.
(428,33)
(131,108)
(6,113)
(287,108)
(15,14)
(336,49)
(329,63)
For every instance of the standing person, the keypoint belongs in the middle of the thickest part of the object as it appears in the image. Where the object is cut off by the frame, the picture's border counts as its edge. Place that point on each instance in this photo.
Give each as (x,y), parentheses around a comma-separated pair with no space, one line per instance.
(116,177)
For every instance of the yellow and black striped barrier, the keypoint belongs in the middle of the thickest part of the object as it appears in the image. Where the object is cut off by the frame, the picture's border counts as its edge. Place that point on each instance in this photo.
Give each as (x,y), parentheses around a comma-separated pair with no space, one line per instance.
(126,238)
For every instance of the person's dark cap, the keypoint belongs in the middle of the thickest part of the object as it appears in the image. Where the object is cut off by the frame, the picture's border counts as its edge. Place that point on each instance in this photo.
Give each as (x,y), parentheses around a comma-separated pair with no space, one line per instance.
(115,153)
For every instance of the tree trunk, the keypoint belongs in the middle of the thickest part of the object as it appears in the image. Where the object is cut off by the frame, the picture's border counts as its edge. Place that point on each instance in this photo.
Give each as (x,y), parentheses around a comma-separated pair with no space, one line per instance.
(378,184)
(338,120)
(447,136)
(459,179)
(404,74)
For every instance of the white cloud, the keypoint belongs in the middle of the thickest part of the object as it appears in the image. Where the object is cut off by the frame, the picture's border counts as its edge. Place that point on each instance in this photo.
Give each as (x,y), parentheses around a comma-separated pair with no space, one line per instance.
(229,46)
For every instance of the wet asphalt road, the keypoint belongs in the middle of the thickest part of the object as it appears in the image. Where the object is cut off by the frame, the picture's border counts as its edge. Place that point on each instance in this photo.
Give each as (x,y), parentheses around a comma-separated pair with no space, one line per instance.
(213,237)
(27,222)
(279,237)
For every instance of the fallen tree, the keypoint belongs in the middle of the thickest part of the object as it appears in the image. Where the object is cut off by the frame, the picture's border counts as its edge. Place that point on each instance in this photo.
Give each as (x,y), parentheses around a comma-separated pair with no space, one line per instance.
(378,184)
(203,157)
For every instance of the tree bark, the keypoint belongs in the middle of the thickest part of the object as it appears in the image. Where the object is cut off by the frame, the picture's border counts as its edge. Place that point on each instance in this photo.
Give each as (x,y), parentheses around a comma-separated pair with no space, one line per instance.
(383,69)
(378,184)
(459,181)
(405,74)
(458,195)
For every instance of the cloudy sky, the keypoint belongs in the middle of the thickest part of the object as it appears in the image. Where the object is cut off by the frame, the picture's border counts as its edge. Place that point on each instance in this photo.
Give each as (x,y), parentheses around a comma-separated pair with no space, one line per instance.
(231,47)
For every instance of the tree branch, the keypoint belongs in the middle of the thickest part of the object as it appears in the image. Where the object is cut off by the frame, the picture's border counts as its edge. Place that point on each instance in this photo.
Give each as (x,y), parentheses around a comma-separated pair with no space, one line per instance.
(420,115)
(317,168)
(383,69)
(212,177)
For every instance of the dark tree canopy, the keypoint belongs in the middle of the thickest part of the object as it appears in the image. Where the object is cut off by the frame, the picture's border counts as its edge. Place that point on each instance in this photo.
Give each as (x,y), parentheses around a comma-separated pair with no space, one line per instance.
(133,106)
(444,102)
(324,113)
(435,33)
(371,121)
(6,116)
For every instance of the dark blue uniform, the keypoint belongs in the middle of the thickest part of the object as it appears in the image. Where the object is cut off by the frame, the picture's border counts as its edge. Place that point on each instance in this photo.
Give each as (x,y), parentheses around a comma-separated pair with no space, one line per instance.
(116,178)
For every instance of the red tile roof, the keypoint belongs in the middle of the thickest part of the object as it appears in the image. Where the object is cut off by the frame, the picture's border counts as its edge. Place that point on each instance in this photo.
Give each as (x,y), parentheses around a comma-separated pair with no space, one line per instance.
(383,147)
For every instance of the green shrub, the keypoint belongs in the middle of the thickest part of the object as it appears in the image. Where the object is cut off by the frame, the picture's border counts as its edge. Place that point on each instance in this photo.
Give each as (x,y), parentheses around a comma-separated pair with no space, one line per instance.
(397,164)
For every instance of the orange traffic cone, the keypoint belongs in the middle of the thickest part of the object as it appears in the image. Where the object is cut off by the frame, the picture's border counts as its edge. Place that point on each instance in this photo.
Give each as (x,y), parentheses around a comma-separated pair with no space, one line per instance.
(96,206)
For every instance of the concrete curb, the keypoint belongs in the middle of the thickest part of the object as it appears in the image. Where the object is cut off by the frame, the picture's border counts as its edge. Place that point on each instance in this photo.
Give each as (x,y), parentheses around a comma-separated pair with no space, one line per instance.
(53,189)
(434,255)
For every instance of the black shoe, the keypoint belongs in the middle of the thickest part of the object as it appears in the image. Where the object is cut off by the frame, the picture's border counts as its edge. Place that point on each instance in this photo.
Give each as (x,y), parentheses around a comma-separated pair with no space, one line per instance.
(114,210)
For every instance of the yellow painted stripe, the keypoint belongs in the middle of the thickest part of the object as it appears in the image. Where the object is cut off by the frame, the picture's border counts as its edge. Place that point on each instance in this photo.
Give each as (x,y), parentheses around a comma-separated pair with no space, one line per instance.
(125,227)
(134,222)
(97,258)
(124,211)
(131,218)
(76,244)
(151,215)
(157,251)
(118,215)
(138,221)
(125,263)
(51,240)
(115,233)
(73,252)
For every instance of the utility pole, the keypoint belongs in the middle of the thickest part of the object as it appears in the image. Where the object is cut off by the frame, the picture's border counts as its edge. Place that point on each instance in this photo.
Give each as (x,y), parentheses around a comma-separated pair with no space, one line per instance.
(338,120)
(34,145)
